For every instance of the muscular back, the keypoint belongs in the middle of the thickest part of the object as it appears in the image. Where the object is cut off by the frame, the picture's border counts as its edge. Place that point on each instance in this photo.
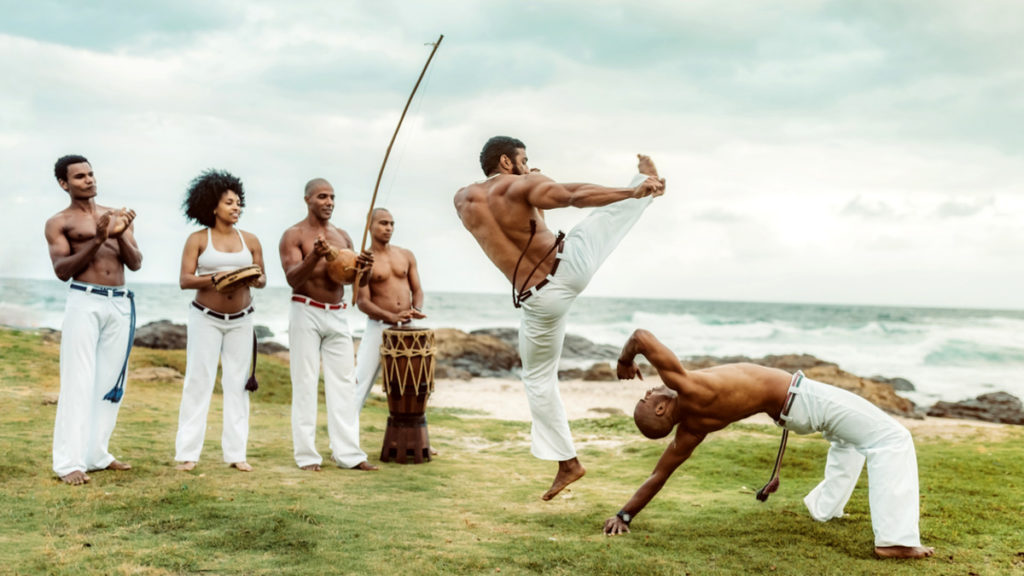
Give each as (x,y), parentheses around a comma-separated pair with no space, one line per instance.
(712,398)
(497,212)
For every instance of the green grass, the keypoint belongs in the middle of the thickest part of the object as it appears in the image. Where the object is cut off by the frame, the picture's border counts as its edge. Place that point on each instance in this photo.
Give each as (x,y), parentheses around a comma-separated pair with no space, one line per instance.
(474,510)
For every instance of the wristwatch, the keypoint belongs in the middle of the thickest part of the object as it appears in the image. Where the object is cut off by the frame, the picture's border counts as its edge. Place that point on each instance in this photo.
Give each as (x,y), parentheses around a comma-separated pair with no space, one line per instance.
(626,517)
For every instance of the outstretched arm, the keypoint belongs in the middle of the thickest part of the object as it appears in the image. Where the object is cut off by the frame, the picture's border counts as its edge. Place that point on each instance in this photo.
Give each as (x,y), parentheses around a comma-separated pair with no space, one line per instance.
(544,193)
(678,451)
(643,343)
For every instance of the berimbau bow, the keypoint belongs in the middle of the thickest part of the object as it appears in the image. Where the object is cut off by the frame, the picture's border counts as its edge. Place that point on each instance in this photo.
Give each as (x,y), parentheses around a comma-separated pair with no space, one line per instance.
(366,228)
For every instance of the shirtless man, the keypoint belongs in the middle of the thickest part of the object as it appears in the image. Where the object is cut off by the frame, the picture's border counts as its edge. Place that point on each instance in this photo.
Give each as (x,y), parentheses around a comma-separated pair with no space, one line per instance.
(392,297)
(504,213)
(698,402)
(90,245)
(317,324)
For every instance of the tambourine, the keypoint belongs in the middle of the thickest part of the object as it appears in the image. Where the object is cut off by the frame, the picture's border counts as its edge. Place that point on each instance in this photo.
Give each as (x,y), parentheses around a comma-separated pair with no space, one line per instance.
(341,265)
(235,279)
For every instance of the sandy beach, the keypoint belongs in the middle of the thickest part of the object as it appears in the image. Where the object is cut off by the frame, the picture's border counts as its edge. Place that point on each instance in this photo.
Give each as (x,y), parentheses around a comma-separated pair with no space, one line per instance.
(505,399)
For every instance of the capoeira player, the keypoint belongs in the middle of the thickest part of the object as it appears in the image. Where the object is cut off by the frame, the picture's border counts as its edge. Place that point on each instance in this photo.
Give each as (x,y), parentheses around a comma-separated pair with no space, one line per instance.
(90,245)
(392,297)
(698,402)
(219,319)
(505,215)
(318,325)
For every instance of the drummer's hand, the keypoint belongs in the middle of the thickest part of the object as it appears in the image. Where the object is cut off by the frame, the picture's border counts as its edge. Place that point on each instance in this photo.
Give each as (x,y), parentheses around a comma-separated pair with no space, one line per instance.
(417,314)
(320,246)
(403,317)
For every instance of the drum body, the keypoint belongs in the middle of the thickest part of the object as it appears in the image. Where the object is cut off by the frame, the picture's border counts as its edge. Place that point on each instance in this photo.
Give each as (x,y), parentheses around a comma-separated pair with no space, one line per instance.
(407,360)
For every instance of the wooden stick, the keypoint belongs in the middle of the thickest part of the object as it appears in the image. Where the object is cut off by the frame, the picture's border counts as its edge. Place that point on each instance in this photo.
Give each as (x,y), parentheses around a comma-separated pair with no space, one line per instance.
(369,213)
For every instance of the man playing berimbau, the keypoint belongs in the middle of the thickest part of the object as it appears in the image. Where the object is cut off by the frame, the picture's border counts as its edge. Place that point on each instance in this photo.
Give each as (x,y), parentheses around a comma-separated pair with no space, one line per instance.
(318,325)
(698,402)
(90,245)
(504,213)
(392,297)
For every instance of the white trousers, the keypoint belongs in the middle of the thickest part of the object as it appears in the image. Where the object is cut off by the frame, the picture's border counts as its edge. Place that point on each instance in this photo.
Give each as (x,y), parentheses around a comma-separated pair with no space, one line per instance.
(314,333)
(368,359)
(858,431)
(210,339)
(542,328)
(94,337)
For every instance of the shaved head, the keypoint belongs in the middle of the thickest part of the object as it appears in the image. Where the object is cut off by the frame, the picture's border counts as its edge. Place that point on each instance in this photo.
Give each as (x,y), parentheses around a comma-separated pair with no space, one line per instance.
(377,212)
(314,184)
(649,423)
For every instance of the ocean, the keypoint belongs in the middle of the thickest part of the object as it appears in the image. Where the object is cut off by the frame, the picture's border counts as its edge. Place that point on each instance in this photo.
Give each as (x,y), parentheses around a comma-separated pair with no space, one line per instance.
(948,354)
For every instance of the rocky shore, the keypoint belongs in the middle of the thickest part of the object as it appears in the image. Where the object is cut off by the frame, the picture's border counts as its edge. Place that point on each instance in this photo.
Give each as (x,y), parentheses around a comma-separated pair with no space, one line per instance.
(493,353)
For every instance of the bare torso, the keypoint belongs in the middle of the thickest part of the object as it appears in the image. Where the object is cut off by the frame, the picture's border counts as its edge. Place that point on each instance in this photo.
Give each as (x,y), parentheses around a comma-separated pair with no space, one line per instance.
(715,397)
(389,279)
(497,213)
(73,231)
(298,243)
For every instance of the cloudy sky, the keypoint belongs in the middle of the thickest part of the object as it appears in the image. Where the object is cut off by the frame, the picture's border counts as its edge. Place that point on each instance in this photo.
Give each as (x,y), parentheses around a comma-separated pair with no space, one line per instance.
(816,151)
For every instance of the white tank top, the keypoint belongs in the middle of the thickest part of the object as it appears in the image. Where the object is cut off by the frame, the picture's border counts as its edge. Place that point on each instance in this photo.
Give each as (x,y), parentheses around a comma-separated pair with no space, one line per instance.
(213,260)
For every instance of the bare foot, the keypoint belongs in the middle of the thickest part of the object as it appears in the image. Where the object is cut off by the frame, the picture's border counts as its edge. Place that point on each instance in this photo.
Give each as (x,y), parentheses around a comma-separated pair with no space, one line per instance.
(646,165)
(117,465)
(904,551)
(364,466)
(185,466)
(569,471)
(76,478)
(432,451)
(241,466)
(310,467)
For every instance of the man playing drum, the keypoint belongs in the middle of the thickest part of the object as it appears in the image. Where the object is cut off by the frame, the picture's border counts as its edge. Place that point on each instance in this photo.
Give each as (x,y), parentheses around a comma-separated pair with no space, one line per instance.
(90,245)
(317,324)
(505,215)
(392,297)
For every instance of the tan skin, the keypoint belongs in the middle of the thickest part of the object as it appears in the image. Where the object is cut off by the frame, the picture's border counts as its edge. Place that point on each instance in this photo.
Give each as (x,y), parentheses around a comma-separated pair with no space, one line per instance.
(393,294)
(91,243)
(498,211)
(699,402)
(225,238)
(303,250)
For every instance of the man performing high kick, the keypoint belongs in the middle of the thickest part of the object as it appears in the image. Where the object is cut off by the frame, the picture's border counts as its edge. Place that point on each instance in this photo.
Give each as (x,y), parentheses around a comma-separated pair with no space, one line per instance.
(504,213)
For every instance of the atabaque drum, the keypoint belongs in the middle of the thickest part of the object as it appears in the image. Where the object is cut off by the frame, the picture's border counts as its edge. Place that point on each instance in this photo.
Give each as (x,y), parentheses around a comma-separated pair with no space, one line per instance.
(407,360)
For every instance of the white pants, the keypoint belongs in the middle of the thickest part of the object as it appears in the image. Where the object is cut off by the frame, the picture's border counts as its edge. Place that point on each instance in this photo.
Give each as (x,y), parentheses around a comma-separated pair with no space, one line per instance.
(94,337)
(859,430)
(312,333)
(210,339)
(368,359)
(542,328)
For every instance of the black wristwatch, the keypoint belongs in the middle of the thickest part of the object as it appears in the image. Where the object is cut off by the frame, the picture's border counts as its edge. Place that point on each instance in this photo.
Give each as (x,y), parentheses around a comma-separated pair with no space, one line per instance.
(626,517)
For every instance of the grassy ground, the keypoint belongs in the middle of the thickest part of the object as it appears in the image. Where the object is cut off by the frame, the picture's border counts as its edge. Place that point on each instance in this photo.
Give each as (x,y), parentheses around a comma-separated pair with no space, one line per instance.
(474,510)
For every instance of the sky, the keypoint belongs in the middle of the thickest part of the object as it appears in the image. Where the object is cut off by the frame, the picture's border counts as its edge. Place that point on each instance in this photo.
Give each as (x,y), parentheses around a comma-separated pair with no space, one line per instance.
(815,151)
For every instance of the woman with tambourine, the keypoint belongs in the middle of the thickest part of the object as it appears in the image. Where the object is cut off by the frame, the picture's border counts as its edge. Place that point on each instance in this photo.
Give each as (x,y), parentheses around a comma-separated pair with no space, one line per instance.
(221,263)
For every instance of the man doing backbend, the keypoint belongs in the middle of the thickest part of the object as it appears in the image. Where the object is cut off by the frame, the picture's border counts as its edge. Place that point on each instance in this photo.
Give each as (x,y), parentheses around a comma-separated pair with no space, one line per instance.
(504,213)
(698,402)
(90,245)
